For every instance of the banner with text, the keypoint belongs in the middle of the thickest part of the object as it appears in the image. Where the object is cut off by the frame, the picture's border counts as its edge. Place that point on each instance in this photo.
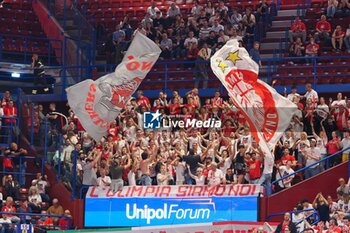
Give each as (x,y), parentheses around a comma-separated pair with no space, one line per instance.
(168,205)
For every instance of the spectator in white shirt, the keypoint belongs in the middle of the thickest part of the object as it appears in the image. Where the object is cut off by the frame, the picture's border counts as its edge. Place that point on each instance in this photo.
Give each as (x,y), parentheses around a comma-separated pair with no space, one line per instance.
(312,154)
(310,93)
(285,171)
(343,187)
(215,176)
(152,10)
(103,181)
(196,9)
(293,93)
(217,27)
(190,40)
(345,143)
(173,11)
(163,176)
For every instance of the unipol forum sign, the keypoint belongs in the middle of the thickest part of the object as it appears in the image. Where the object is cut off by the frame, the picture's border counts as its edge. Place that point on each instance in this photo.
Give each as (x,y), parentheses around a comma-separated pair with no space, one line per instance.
(168,205)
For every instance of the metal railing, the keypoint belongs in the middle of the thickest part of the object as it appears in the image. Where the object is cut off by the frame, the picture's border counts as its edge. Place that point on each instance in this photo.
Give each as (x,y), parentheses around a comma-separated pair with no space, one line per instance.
(19,49)
(24,217)
(318,163)
(314,216)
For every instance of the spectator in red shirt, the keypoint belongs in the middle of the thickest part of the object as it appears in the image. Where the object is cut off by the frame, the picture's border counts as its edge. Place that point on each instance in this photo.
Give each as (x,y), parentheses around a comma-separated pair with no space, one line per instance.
(9,208)
(312,48)
(298,29)
(333,146)
(338,36)
(143,101)
(66,221)
(254,168)
(6,99)
(10,111)
(323,29)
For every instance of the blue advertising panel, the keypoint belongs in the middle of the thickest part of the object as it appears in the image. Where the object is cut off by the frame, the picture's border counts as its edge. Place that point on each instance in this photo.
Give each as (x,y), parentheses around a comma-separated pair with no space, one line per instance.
(105,211)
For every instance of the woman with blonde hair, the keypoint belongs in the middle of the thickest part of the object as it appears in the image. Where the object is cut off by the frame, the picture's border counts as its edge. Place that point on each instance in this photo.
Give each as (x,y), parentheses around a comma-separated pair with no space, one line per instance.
(34,199)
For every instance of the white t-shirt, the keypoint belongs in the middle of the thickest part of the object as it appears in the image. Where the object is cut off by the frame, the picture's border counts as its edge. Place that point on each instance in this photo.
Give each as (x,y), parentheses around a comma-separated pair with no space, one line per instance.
(321,143)
(268,164)
(104,182)
(315,152)
(35,199)
(200,180)
(284,171)
(190,41)
(291,96)
(214,178)
(345,143)
(343,206)
(161,176)
(217,29)
(180,172)
(246,140)
(311,95)
(131,178)
(227,164)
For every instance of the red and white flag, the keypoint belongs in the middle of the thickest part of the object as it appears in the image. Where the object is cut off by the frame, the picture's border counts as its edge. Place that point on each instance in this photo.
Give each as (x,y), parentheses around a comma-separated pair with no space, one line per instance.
(98,103)
(267,112)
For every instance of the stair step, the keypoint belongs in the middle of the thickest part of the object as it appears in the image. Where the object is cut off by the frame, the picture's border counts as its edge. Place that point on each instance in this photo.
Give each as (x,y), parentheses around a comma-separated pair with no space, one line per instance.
(287,12)
(282,23)
(272,45)
(275,35)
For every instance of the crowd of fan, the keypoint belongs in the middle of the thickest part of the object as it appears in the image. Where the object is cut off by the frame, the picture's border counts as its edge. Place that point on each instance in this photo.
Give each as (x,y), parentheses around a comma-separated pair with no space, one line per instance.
(14,198)
(332,216)
(305,43)
(194,38)
(209,27)
(132,155)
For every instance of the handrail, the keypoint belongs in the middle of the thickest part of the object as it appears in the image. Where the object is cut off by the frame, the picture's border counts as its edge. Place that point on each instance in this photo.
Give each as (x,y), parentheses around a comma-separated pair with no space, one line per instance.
(307,167)
(290,212)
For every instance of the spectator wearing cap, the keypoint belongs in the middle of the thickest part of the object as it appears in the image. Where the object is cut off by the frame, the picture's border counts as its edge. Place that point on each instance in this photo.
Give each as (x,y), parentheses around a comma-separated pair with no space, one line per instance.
(323,29)
(298,29)
(55,209)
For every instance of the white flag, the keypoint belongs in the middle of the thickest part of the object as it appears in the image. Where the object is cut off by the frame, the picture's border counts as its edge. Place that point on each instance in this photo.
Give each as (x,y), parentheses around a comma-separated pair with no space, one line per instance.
(267,112)
(98,103)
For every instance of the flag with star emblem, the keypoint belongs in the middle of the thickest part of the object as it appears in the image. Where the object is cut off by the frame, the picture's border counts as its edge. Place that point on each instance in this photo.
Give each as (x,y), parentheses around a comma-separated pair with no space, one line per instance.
(267,112)
(97,103)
